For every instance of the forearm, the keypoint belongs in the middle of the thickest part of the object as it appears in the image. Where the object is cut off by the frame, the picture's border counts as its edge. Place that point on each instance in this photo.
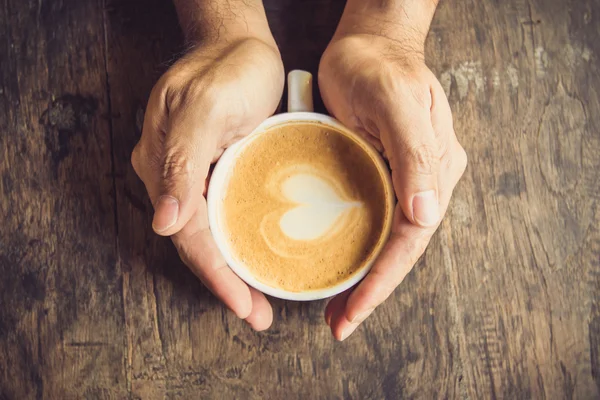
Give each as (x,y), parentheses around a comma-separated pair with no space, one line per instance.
(406,21)
(222,20)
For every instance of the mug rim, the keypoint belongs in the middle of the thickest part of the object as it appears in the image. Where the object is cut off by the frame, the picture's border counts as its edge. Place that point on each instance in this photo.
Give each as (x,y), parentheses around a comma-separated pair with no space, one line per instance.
(220,178)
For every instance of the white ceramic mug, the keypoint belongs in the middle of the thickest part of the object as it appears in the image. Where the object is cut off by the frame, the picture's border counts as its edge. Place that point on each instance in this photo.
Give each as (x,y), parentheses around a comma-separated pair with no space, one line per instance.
(300,108)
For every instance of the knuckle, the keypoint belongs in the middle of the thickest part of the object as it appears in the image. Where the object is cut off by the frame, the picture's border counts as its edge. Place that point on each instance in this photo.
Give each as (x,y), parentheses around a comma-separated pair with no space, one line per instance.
(135,159)
(145,158)
(409,85)
(196,90)
(421,94)
(161,88)
(424,159)
(462,159)
(177,165)
(183,85)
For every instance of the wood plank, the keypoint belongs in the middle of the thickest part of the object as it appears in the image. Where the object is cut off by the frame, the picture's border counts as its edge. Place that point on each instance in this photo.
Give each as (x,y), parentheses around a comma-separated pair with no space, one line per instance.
(522,233)
(61,313)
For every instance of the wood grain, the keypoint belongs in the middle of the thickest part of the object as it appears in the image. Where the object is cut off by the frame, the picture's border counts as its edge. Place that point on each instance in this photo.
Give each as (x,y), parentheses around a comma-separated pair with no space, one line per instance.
(504,304)
(61,313)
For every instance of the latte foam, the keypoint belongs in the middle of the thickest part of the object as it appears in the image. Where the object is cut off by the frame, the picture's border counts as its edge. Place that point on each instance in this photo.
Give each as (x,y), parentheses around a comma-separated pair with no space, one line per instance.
(305,207)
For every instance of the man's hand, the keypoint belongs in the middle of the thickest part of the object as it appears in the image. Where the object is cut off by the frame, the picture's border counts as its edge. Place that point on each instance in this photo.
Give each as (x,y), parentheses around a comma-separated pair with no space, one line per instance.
(373,78)
(220,91)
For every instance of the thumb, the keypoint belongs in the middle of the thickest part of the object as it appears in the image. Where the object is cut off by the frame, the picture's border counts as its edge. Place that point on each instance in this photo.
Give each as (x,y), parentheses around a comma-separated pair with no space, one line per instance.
(414,155)
(181,175)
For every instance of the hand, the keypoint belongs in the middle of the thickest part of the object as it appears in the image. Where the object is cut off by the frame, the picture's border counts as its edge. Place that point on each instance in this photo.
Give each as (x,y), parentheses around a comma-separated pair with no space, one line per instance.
(205,102)
(381,88)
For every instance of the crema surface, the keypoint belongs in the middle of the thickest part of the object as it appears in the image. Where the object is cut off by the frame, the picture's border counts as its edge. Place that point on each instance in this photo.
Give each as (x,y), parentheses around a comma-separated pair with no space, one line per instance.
(305,207)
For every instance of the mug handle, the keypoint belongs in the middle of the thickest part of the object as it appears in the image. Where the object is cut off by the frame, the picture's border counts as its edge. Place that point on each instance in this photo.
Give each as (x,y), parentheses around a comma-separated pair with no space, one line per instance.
(300,91)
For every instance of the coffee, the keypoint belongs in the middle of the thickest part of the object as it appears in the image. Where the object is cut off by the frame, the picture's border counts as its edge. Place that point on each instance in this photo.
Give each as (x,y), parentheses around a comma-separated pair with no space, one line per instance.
(305,207)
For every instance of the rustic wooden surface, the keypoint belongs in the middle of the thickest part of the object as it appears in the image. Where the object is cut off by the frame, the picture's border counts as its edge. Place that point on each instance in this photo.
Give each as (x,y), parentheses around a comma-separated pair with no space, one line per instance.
(505,303)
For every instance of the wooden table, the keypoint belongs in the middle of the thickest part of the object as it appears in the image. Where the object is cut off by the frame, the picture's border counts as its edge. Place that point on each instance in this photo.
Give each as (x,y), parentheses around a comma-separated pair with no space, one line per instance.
(504,304)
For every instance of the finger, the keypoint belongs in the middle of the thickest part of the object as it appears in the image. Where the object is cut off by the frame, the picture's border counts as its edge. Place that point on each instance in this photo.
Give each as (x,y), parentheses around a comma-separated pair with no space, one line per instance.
(414,152)
(173,159)
(341,328)
(199,251)
(261,316)
(454,164)
(188,151)
(441,114)
(407,243)
(454,161)
(336,305)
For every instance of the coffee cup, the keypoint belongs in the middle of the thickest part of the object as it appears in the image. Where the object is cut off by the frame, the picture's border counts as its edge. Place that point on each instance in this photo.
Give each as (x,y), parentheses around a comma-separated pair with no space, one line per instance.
(331,212)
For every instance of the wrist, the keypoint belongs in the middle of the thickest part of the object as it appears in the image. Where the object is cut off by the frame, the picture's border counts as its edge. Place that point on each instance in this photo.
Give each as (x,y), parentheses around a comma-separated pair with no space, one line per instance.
(219,22)
(406,22)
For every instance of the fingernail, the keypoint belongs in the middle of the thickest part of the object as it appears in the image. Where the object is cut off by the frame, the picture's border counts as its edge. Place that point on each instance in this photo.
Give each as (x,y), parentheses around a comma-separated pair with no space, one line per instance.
(166,211)
(348,331)
(362,316)
(426,211)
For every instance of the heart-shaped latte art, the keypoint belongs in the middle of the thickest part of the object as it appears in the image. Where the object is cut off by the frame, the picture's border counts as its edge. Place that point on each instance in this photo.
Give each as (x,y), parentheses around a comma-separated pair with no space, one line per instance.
(318,207)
